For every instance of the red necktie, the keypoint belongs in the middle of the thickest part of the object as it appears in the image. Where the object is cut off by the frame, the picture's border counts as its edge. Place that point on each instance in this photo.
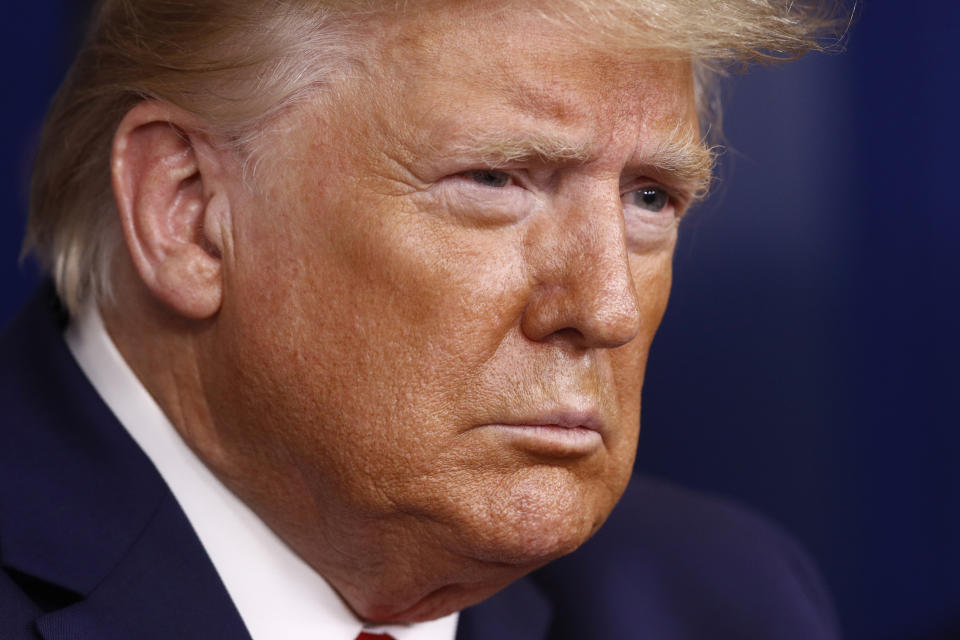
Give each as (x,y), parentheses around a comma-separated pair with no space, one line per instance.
(374,636)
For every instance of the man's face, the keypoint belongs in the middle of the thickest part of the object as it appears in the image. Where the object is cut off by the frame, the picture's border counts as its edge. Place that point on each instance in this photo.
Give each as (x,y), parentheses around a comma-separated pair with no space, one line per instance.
(438,307)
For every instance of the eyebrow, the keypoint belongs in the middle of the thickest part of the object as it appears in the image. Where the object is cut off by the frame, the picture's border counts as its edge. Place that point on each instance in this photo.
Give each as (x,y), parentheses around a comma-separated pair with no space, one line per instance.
(683,156)
(498,150)
(679,155)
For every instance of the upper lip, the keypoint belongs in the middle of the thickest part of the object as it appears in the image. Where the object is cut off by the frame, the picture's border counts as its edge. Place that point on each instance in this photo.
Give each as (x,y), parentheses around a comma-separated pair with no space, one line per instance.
(563,418)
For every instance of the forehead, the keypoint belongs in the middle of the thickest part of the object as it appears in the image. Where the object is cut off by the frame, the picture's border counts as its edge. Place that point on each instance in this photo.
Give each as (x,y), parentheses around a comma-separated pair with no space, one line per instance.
(453,65)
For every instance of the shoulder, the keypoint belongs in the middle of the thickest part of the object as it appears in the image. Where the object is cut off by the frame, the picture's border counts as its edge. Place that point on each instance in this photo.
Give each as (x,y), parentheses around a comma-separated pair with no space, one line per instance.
(674,563)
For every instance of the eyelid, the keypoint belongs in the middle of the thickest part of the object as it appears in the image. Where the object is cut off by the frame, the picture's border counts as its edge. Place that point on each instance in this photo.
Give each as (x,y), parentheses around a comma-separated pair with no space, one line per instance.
(680,198)
(648,184)
(517,175)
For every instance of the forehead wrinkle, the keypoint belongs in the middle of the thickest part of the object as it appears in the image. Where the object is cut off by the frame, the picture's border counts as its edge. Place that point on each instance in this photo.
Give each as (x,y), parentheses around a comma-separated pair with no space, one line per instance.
(544,99)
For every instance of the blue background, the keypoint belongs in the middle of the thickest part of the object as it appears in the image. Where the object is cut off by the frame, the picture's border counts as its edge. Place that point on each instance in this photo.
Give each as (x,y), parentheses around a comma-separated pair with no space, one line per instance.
(807,365)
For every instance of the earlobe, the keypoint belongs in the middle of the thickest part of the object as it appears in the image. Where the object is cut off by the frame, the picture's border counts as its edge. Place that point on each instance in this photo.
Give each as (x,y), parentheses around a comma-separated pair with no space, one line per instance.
(171,207)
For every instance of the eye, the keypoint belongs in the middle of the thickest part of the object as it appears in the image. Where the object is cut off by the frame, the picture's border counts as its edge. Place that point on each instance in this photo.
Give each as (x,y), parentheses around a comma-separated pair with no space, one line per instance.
(653,199)
(489,178)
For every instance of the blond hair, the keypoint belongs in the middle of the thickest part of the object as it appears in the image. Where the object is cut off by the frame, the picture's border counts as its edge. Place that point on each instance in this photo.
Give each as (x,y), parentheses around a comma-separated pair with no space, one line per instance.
(236,64)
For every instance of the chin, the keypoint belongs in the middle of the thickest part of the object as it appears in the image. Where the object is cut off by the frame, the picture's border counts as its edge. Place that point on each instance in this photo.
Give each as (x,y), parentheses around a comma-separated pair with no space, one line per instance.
(494,565)
(491,532)
(528,521)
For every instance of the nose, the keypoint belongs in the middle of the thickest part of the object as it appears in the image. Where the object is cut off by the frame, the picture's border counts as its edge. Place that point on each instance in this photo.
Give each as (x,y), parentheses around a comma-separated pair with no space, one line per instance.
(585,291)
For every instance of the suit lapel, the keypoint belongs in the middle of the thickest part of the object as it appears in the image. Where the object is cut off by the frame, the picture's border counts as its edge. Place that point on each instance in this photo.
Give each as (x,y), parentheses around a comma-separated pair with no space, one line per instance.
(165,587)
(85,510)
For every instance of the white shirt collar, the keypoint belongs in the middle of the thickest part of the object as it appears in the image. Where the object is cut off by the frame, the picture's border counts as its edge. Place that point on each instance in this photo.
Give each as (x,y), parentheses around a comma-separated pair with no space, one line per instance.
(277,594)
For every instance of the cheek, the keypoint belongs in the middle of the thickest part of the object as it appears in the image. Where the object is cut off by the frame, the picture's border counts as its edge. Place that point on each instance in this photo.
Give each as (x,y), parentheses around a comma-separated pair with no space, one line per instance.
(652,275)
(379,319)
(653,278)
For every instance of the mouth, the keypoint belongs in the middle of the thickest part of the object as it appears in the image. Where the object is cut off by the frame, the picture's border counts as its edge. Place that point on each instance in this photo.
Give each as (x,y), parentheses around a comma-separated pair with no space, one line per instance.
(564,434)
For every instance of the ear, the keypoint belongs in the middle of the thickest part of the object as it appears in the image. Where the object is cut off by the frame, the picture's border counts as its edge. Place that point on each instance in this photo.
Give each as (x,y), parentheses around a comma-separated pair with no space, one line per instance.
(173,206)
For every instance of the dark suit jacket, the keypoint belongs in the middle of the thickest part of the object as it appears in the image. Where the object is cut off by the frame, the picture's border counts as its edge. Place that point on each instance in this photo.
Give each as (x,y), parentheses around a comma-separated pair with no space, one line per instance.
(94,546)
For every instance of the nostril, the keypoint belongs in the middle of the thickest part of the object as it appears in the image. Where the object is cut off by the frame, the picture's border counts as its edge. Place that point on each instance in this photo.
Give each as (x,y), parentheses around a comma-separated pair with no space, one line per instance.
(622,327)
(568,315)
(571,335)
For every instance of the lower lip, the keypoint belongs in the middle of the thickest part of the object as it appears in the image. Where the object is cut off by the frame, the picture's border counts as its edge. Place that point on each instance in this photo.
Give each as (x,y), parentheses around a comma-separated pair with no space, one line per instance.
(552,440)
